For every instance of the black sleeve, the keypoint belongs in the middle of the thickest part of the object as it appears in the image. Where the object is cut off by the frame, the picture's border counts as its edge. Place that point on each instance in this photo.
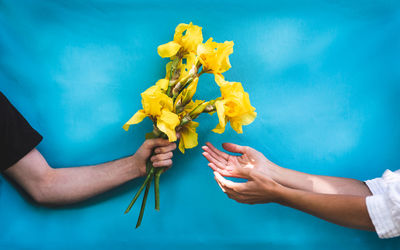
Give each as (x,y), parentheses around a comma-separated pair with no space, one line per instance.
(17,137)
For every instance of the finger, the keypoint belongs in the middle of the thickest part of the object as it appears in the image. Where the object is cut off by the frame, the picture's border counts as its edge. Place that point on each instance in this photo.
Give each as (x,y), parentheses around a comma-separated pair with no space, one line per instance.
(215,155)
(219,184)
(163,163)
(158,142)
(160,157)
(234,148)
(227,184)
(169,147)
(217,151)
(213,160)
(221,171)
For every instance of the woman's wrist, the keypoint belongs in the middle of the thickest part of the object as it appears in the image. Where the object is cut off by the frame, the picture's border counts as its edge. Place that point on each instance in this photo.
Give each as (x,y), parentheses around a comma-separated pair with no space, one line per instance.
(284,195)
(274,172)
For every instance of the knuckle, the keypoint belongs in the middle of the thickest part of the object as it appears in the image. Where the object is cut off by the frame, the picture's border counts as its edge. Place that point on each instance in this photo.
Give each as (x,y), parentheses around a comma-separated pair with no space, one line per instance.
(147,143)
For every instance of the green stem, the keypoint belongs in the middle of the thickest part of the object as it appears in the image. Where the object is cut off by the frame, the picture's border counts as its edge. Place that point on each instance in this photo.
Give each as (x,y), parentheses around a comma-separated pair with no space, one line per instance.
(146,192)
(157,175)
(147,180)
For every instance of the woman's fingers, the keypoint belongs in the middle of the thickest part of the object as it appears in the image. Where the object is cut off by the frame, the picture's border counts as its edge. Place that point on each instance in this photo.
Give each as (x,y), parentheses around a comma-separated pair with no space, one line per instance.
(227,184)
(223,172)
(217,151)
(214,154)
(211,159)
(234,148)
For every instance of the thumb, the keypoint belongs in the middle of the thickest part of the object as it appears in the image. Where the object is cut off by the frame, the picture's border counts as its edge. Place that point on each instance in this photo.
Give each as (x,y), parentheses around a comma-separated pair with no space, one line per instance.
(234,148)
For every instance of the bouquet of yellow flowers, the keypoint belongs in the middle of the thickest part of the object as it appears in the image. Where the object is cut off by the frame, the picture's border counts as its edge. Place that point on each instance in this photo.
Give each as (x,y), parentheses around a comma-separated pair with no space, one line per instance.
(169,103)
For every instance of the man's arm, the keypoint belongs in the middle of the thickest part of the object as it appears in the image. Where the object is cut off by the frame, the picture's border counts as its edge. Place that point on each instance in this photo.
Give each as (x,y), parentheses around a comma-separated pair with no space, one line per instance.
(56,186)
(230,165)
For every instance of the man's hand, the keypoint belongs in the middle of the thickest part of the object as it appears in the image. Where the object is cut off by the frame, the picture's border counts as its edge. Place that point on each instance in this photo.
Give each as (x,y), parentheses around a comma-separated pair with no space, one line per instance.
(162,154)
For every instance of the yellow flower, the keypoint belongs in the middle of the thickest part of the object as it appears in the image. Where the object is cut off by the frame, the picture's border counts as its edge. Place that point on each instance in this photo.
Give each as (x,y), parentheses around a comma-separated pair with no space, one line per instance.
(234,107)
(167,123)
(191,106)
(186,95)
(188,42)
(135,119)
(163,84)
(215,56)
(188,65)
(188,136)
(153,102)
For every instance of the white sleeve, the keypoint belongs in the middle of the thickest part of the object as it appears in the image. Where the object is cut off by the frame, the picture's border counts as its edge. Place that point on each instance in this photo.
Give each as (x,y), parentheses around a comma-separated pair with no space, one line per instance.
(384,205)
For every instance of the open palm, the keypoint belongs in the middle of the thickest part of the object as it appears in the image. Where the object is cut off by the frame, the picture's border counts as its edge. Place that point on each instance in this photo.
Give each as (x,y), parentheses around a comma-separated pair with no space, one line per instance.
(240,166)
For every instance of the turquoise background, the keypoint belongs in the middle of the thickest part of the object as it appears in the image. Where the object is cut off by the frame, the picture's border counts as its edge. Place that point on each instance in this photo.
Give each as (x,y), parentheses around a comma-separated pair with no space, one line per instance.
(323,75)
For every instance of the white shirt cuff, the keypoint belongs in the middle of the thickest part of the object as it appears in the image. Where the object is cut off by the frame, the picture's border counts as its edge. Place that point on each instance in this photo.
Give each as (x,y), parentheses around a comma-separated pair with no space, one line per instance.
(380,213)
(376,186)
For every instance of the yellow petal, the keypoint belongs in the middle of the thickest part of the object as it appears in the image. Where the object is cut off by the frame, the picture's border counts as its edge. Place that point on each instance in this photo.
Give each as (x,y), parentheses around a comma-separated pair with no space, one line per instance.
(227,50)
(191,90)
(218,129)
(136,118)
(237,126)
(179,30)
(192,38)
(169,49)
(162,83)
(248,118)
(181,146)
(219,79)
(219,105)
(167,123)
(188,136)
(168,70)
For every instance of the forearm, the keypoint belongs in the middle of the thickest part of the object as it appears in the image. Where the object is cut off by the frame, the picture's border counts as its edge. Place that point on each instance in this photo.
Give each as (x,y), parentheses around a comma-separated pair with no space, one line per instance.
(318,183)
(69,185)
(345,210)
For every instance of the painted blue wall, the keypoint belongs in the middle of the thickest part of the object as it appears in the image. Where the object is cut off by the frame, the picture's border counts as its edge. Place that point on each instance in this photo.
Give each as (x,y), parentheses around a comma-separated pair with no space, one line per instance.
(323,75)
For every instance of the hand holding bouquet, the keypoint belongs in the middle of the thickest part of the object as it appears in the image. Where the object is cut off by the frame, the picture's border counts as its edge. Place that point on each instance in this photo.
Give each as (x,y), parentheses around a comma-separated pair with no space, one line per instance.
(169,103)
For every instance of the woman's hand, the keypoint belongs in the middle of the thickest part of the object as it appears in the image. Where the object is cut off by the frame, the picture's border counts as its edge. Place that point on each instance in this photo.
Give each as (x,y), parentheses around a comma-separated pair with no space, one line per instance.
(238,166)
(257,190)
(250,165)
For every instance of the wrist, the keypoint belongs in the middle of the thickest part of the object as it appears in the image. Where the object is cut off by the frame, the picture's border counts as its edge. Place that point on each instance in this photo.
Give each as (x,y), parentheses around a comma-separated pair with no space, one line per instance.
(283,195)
(135,168)
(274,172)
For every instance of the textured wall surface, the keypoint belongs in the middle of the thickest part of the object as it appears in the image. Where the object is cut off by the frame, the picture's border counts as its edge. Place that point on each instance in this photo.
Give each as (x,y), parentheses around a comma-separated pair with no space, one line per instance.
(324,77)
